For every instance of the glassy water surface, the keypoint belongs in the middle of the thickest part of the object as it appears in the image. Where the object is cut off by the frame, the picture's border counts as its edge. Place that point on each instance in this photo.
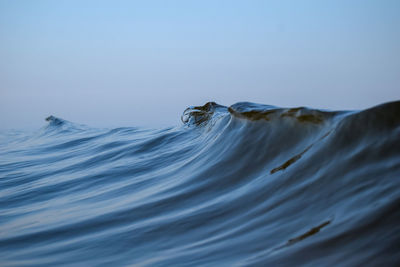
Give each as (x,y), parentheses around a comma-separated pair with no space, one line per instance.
(248,184)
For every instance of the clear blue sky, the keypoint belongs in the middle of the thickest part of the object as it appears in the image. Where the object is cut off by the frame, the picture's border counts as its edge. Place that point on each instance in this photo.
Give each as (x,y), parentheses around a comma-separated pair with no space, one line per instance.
(141,63)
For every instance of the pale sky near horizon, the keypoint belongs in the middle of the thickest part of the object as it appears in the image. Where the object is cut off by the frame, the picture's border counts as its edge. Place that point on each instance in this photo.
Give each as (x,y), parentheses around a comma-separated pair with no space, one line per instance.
(141,63)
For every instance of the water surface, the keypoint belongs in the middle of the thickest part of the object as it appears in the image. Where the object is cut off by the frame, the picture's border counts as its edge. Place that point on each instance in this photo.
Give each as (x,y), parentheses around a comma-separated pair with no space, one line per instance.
(248,184)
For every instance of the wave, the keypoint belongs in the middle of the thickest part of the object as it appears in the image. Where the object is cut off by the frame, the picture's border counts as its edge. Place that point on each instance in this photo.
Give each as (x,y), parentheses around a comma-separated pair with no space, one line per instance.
(248,184)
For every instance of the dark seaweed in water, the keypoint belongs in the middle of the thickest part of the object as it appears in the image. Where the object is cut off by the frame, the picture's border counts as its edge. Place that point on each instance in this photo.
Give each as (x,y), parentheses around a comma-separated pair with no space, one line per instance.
(242,185)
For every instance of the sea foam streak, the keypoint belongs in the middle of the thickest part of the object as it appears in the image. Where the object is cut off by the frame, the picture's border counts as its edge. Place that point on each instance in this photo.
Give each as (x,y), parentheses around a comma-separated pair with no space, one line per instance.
(247,184)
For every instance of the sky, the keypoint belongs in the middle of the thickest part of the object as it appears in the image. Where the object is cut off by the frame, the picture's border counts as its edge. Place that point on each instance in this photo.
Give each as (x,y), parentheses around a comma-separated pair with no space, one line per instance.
(141,63)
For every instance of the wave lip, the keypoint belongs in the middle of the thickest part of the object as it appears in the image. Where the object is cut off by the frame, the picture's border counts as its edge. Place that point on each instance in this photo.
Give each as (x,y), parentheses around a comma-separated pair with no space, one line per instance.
(198,115)
(55,121)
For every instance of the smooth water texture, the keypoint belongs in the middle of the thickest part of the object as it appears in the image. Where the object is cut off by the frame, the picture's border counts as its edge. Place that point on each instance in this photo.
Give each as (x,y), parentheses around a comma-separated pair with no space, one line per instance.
(247,184)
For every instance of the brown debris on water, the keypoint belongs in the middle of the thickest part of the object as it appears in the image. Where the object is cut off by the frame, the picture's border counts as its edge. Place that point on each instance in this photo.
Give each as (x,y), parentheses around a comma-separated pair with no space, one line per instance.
(309,233)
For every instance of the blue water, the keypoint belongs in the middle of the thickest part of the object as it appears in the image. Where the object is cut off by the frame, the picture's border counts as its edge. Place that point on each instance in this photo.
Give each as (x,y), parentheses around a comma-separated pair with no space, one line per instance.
(248,184)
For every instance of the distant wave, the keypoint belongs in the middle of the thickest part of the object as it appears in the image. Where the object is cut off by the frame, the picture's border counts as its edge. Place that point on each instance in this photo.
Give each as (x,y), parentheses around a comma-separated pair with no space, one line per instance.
(248,184)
